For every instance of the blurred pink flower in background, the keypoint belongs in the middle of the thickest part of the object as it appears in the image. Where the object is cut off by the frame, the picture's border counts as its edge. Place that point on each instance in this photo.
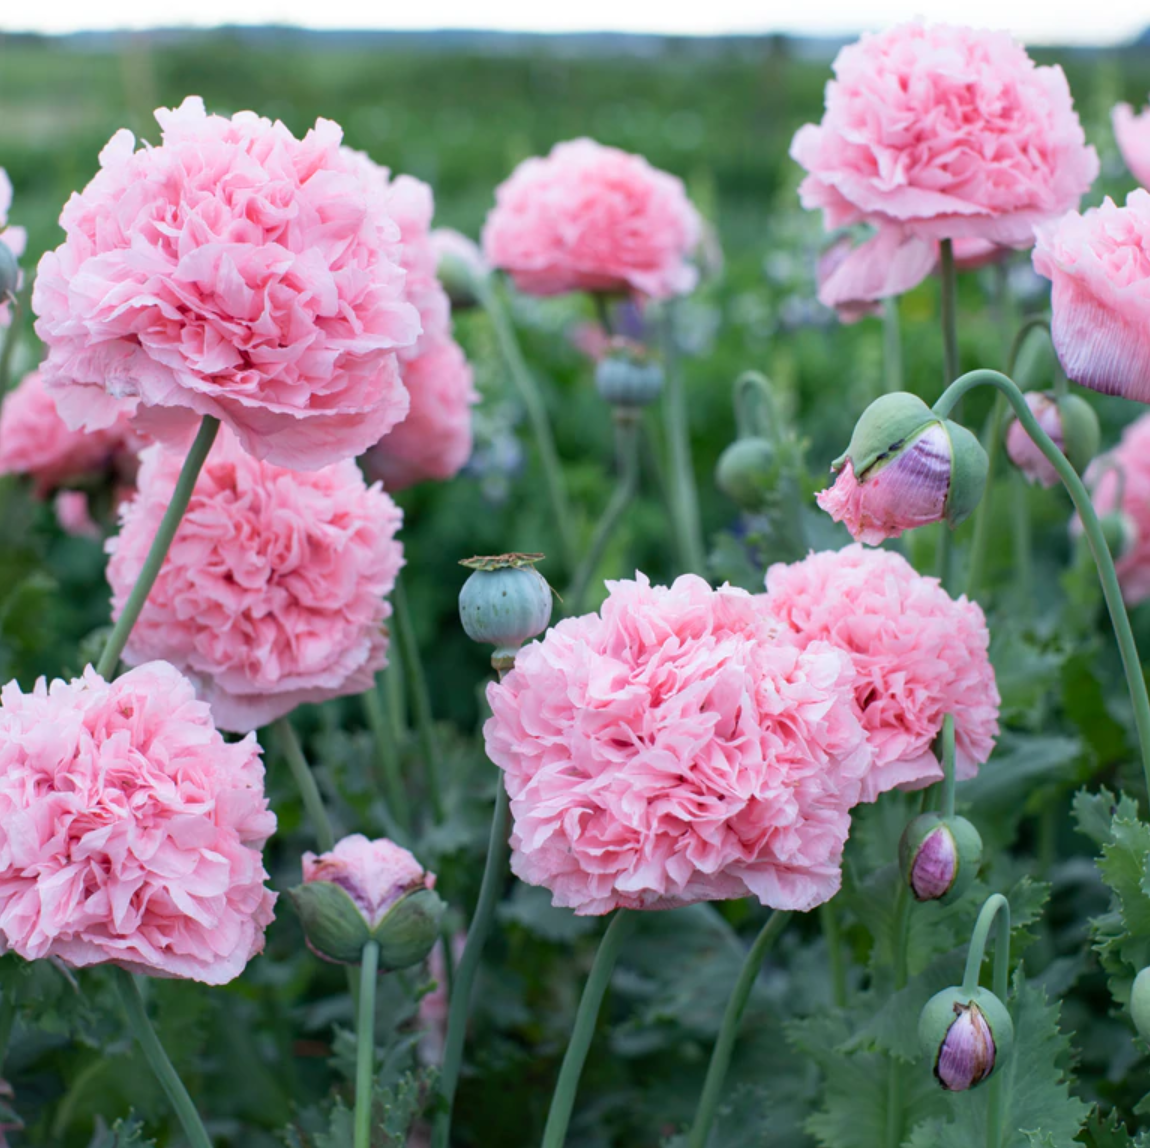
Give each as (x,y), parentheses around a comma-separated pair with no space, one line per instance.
(593,218)
(274,590)
(130,831)
(938,132)
(35,441)
(1099,263)
(74,515)
(1132,131)
(233,271)
(680,747)
(918,654)
(435,1005)
(14,238)
(1021,448)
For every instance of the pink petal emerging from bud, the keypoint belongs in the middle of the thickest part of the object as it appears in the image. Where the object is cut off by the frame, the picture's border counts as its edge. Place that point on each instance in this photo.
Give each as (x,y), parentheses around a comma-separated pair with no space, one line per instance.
(906,492)
(374,874)
(967,1054)
(1133,135)
(1022,450)
(935,864)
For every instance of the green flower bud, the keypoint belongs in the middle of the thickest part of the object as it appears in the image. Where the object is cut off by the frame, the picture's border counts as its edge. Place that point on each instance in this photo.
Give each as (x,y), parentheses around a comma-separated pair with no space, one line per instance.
(748,471)
(968,470)
(505,602)
(1072,425)
(965,1036)
(627,376)
(884,429)
(939,856)
(1140,1004)
(1120,533)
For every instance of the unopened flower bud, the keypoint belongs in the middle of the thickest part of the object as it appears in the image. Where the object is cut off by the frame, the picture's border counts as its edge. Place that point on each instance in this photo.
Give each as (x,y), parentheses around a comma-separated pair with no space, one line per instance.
(1140,1004)
(368,891)
(9,272)
(748,471)
(904,467)
(460,265)
(1072,425)
(1120,533)
(626,376)
(939,856)
(504,603)
(966,1036)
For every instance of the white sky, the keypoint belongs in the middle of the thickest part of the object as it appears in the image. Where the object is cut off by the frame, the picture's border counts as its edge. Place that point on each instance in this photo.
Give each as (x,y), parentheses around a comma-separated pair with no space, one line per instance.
(1035,21)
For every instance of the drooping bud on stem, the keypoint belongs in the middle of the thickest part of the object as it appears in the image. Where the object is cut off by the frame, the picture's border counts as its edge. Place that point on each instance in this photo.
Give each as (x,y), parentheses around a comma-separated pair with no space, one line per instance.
(939,856)
(1072,425)
(966,1036)
(504,603)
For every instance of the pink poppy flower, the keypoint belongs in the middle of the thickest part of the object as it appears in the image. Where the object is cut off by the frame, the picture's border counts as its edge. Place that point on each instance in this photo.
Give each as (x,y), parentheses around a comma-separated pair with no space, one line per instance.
(35,441)
(130,831)
(74,515)
(274,590)
(593,218)
(1099,263)
(918,655)
(938,132)
(1132,131)
(232,271)
(679,747)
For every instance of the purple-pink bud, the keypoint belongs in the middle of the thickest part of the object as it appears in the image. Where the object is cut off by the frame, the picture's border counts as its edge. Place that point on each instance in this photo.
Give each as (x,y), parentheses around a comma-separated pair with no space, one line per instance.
(935,864)
(968,1051)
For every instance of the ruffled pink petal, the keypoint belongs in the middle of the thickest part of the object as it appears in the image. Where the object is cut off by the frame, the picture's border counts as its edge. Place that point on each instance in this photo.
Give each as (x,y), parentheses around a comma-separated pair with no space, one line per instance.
(1132,131)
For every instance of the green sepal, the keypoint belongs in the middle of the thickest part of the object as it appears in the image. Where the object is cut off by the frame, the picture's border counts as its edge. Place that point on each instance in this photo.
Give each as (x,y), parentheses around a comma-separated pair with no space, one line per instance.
(1081,434)
(883,429)
(409,930)
(969,467)
(939,1014)
(333,923)
(967,848)
(747,472)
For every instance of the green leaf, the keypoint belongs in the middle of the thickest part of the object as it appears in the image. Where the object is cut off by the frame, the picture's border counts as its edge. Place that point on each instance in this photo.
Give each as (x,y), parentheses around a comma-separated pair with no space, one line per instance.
(529,906)
(1109,1132)
(127,1133)
(1037,1107)
(1094,813)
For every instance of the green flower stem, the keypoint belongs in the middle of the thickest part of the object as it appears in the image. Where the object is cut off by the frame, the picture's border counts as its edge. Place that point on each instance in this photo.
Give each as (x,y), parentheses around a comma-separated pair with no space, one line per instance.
(948,311)
(993,443)
(627,453)
(1092,529)
(464,981)
(563,1098)
(387,757)
(832,935)
(756,412)
(365,1044)
(292,751)
(900,932)
(536,413)
(1023,542)
(603,312)
(9,349)
(129,989)
(948,770)
(684,494)
(169,524)
(729,1030)
(420,698)
(891,346)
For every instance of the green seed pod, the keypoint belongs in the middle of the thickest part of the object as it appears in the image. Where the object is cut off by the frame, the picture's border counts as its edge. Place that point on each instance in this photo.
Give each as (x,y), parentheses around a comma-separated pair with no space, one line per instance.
(885,428)
(1140,1004)
(966,1037)
(9,272)
(627,376)
(1120,533)
(409,930)
(939,857)
(969,467)
(505,602)
(748,471)
(1081,434)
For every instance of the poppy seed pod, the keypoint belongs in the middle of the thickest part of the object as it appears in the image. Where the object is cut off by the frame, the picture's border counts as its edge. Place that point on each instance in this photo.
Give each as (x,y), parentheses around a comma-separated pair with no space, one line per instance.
(748,471)
(504,603)
(1072,425)
(965,1036)
(627,376)
(1120,533)
(905,467)
(939,856)
(9,272)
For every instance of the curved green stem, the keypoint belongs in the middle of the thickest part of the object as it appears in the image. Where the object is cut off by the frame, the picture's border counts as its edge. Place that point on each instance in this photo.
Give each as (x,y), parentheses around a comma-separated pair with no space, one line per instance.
(729,1030)
(891,345)
(532,399)
(684,493)
(169,524)
(129,989)
(627,453)
(563,1098)
(365,1045)
(1111,589)
(292,751)
(756,412)
(420,698)
(493,874)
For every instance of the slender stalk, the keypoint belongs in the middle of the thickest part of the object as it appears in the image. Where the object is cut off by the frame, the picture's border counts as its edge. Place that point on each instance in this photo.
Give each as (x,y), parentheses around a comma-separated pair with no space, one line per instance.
(891,345)
(396,698)
(948,769)
(292,751)
(603,312)
(9,348)
(460,1007)
(420,698)
(894,1095)
(1023,541)
(536,413)
(756,412)
(627,454)
(684,494)
(365,1045)
(949,308)
(563,1098)
(1111,590)
(729,1030)
(387,757)
(129,989)
(169,524)
(832,935)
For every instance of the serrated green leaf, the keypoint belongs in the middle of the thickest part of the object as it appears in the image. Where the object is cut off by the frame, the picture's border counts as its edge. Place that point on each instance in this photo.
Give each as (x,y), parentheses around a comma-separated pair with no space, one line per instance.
(1108,1132)
(1094,813)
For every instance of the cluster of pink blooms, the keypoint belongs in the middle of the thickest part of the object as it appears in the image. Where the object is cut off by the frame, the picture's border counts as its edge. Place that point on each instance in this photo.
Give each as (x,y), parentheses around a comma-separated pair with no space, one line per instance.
(936,132)
(130,831)
(273,592)
(593,218)
(693,744)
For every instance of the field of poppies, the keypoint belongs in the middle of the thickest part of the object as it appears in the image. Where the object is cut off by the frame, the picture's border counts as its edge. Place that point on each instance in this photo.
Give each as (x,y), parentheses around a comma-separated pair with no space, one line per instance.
(579,597)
